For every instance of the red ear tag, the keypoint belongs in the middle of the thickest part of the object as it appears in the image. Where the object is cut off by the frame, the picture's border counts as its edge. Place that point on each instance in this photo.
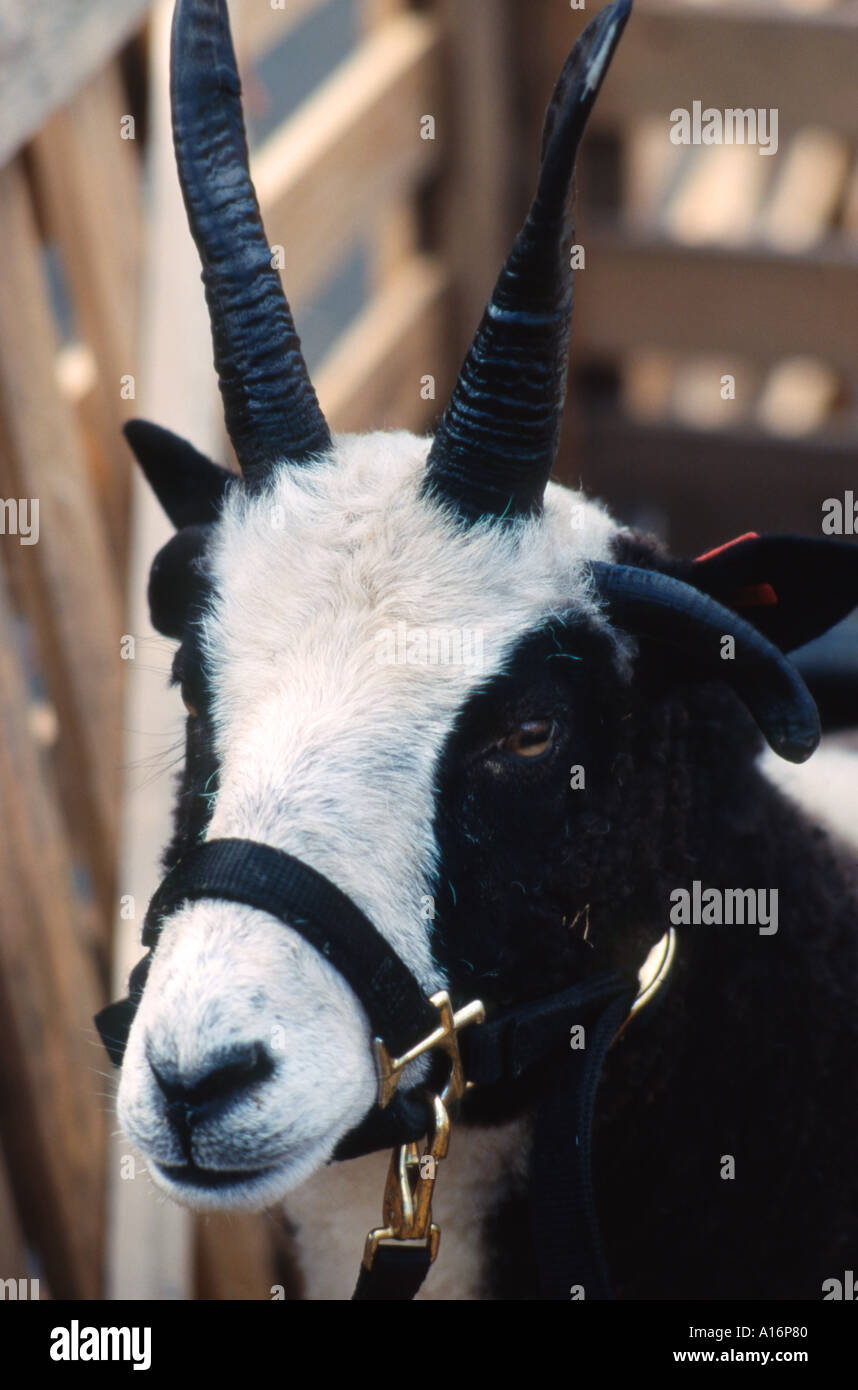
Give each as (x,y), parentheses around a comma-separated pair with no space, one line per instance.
(752,595)
(737,540)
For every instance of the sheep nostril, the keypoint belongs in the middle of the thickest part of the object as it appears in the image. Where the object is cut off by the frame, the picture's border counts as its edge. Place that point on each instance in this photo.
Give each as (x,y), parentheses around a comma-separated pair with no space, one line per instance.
(219,1079)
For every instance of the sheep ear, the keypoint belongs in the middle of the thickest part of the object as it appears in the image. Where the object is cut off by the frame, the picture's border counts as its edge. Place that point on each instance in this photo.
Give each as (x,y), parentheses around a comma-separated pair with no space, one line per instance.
(177,580)
(791,588)
(188,485)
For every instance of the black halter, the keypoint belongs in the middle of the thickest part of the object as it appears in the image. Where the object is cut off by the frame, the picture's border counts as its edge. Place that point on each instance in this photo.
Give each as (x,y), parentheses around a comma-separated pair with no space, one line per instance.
(406,1025)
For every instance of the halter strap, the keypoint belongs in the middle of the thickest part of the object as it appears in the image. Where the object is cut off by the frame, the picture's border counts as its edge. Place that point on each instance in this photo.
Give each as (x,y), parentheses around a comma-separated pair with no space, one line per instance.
(502,1050)
(260,876)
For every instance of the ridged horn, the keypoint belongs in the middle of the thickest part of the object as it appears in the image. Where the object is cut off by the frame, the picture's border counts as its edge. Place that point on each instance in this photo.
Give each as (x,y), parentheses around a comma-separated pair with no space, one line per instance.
(497,439)
(269,402)
(650,604)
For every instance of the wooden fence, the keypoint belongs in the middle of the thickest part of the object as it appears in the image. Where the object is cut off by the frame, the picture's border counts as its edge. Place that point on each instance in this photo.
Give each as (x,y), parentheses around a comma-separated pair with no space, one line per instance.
(693,271)
(79,353)
(712,261)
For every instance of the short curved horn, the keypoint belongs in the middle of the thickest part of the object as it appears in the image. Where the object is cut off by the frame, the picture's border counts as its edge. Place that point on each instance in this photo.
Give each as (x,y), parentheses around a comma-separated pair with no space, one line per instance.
(270,406)
(497,439)
(651,604)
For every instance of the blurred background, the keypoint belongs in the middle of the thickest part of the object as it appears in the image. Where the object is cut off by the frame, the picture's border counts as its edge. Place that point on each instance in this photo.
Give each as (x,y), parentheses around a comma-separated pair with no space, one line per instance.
(394,149)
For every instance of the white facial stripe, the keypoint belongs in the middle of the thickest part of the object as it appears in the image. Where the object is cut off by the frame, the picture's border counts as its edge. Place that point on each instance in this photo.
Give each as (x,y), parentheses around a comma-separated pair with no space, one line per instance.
(325,750)
(330,753)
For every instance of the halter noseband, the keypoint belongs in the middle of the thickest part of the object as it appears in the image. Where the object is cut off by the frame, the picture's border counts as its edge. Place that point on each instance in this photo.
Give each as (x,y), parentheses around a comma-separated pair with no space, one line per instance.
(510,1045)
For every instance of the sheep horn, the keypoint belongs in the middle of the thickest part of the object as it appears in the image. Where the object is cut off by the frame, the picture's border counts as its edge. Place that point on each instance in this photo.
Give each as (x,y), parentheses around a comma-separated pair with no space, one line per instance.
(270,406)
(497,439)
(651,604)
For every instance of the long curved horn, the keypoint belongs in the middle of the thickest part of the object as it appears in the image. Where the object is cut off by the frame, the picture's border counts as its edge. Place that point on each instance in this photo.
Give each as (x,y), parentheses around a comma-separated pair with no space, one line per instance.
(270,406)
(651,604)
(497,439)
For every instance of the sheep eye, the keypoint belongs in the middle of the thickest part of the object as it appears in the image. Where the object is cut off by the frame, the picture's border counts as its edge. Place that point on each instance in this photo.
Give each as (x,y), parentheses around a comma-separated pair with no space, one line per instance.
(530,740)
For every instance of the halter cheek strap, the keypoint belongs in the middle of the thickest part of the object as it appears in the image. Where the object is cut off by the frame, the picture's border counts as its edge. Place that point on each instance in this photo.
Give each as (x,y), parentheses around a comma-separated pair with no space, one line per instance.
(406,1025)
(257,875)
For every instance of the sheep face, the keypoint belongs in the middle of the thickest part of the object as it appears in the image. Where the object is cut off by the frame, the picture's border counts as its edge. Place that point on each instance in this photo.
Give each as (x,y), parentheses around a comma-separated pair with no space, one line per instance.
(359,664)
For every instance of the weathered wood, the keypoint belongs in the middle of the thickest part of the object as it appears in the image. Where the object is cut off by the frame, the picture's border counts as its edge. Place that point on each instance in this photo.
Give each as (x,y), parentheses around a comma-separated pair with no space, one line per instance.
(480,155)
(235,1255)
(396,231)
(638,289)
(13,1252)
(808,190)
(717,198)
(259,25)
(709,484)
(323,176)
(71,592)
(48,51)
(89,179)
(51,1108)
(149,1249)
(372,377)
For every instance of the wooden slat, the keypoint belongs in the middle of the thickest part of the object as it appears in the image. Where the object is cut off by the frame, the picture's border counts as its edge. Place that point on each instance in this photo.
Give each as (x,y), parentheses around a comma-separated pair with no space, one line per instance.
(711,483)
(258,26)
(354,144)
(149,1238)
(480,156)
(808,190)
(90,181)
(13,1251)
(762,55)
(638,290)
(50,1086)
(718,197)
(371,379)
(396,231)
(70,591)
(48,51)
(235,1257)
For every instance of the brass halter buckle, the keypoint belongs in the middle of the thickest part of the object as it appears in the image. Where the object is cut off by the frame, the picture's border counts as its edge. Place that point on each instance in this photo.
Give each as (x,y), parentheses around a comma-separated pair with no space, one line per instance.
(407,1206)
(389,1069)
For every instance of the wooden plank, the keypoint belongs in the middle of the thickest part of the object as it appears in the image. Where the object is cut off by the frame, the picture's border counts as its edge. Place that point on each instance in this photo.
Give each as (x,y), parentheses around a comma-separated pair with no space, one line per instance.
(71,593)
(764,55)
(235,1256)
(323,176)
(372,377)
(396,231)
(718,197)
(647,290)
(808,190)
(14,1261)
(798,396)
(260,25)
(476,216)
(50,1083)
(89,179)
(48,51)
(710,484)
(149,1248)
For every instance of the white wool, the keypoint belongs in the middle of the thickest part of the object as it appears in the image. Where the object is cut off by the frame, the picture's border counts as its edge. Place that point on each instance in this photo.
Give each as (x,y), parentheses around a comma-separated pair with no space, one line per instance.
(330,754)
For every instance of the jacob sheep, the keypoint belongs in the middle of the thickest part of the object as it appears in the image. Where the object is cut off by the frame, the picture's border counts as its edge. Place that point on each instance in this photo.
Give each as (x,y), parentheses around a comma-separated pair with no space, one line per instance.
(514,827)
